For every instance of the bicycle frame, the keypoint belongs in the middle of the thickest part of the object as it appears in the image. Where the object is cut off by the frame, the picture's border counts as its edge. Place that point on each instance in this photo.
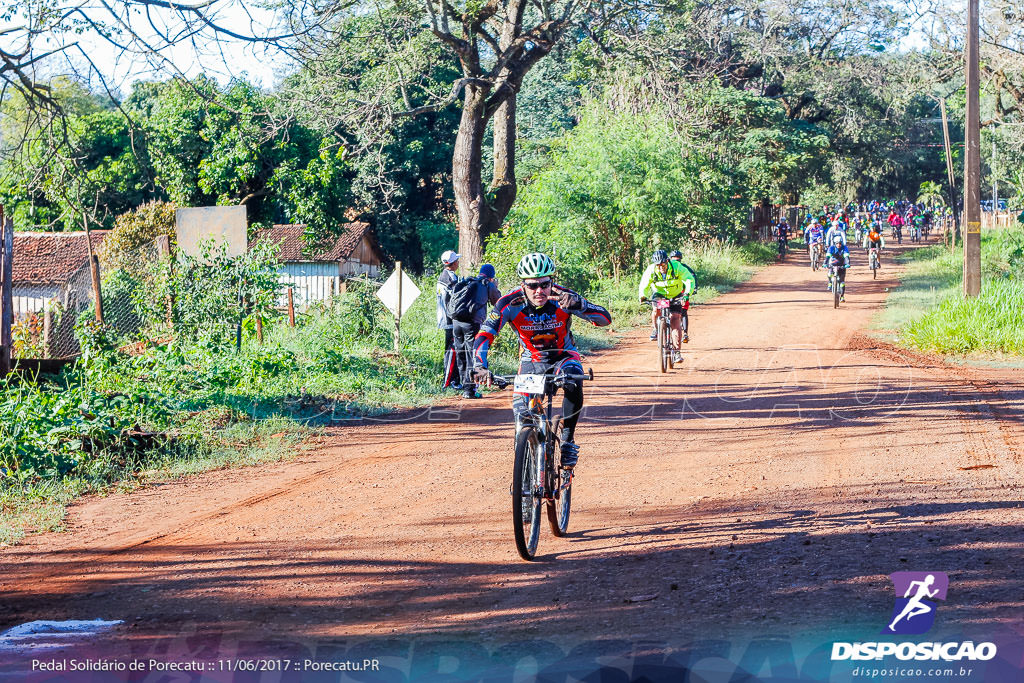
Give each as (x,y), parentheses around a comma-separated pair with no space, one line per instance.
(818,251)
(663,323)
(542,419)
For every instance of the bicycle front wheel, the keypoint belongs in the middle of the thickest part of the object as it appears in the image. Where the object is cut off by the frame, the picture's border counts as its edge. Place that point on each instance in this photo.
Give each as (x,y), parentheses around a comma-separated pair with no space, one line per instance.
(835,291)
(527,492)
(663,344)
(558,507)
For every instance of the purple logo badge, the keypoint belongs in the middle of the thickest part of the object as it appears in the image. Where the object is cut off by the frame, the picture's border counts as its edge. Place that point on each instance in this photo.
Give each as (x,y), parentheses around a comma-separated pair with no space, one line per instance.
(914,612)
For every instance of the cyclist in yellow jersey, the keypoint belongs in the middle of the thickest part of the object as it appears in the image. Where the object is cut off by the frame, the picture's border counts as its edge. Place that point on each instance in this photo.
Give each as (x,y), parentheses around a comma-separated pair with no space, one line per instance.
(668,279)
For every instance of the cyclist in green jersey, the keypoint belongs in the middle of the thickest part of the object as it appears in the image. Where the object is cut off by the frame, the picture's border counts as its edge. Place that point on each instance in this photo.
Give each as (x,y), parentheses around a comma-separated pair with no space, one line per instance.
(671,280)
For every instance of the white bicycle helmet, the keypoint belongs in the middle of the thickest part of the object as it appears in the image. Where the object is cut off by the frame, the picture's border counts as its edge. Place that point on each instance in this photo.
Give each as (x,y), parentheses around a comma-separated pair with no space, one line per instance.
(535,265)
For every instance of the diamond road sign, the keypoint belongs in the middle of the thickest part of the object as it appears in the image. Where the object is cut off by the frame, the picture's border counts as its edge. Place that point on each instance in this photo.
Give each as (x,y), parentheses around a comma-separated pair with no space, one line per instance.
(389,293)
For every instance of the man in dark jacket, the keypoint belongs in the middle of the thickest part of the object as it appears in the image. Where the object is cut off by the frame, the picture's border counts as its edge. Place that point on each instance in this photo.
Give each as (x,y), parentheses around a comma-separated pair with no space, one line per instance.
(465,331)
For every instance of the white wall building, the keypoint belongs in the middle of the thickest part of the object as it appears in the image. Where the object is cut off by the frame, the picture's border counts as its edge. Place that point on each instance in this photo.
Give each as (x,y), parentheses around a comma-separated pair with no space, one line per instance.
(43,267)
(317,273)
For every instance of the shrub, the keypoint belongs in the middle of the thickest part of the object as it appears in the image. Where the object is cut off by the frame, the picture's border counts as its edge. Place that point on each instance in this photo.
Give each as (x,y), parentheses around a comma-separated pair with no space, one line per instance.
(135,229)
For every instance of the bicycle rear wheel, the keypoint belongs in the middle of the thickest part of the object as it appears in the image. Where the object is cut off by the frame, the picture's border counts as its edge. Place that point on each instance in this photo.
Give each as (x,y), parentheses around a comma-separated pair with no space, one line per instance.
(558,508)
(527,489)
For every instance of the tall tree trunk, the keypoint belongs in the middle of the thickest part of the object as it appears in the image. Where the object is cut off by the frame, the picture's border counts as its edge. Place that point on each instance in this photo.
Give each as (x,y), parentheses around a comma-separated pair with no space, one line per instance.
(475,221)
(503,184)
(478,217)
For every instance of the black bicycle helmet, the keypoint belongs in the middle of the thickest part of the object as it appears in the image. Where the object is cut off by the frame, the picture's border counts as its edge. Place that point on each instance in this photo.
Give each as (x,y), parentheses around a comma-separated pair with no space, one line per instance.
(676,254)
(659,257)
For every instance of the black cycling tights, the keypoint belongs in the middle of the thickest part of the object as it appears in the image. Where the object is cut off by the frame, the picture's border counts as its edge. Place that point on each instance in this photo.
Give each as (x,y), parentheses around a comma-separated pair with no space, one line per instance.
(686,323)
(572,406)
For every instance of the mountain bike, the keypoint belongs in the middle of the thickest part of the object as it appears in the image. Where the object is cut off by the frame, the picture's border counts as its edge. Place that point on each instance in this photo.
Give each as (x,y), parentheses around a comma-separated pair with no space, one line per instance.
(538,477)
(834,285)
(663,325)
(873,262)
(817,255)
(915,234)
(783,245)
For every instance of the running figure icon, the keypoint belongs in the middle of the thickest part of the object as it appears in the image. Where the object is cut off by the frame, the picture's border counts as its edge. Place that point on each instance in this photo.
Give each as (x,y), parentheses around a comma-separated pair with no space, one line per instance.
(915,607)
(914,612)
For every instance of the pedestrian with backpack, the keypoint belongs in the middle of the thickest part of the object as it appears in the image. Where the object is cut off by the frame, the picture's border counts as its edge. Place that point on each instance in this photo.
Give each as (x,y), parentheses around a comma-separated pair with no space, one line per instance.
(447,278)
(467,308)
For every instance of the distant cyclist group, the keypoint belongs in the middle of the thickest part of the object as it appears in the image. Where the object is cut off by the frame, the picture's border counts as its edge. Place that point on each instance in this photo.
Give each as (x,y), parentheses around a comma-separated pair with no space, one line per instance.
(826,233)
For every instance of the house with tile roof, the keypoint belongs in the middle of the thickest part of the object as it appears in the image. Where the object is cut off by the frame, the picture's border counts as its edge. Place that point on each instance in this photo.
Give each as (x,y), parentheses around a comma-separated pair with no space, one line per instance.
(49,268)
(318,271)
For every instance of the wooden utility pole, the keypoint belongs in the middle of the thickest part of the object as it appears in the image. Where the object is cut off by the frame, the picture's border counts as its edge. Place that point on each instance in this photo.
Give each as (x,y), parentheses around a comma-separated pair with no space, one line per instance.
(949,171)
(398,308)
(163,245)
(972,160)
(94,267)
(291,308)
(6,294)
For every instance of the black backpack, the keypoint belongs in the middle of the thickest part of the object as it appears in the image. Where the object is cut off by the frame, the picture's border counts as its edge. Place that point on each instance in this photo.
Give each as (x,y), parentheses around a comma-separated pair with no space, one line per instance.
(464,299)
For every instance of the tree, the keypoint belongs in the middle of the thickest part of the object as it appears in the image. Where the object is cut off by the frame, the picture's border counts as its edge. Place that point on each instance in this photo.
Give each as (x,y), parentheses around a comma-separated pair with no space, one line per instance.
(619,185)
(930,194)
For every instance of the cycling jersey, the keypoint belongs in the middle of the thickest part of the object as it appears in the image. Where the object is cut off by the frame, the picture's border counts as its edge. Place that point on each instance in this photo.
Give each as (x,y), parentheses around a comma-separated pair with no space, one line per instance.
(815,234)
(874,239)
(670,285)
(835,231)
(544,333)
(838,256)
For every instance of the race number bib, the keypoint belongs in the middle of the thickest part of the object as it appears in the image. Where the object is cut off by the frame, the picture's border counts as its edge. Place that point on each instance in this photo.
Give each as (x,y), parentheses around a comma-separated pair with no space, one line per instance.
(529,384)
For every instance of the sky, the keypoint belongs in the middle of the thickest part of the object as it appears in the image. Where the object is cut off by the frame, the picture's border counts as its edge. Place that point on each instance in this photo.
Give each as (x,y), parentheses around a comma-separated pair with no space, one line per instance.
(221,59)
(224,59)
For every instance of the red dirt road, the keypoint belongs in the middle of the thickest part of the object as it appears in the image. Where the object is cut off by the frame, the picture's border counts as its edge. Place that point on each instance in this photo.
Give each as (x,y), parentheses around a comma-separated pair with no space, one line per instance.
(770,485)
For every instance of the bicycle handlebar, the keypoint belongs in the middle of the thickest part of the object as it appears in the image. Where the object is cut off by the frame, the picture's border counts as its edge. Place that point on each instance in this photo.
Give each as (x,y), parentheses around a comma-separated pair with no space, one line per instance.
(504,381)
(681,297)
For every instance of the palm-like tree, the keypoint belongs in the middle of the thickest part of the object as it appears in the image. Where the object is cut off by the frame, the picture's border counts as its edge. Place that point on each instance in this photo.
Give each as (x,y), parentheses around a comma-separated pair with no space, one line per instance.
(930,194)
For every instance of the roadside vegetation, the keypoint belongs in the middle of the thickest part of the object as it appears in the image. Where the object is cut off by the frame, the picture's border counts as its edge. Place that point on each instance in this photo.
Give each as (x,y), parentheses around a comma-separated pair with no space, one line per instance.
(928,311)
(117,419)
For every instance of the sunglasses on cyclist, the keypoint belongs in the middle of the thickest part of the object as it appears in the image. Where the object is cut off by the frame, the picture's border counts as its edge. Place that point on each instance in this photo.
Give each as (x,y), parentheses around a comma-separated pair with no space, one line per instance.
(534,286)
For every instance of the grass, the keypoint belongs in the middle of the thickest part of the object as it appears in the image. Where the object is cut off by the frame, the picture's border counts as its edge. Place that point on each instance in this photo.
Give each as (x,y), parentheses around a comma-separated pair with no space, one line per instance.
(932,274)
(205,405)
(928,312)
(991,324)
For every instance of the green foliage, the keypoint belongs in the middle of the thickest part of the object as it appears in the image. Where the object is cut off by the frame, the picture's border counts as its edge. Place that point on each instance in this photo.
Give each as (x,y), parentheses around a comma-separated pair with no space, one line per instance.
(215,291)
(621,184)
(401,170)
(930,194)
(993,322)
(616,186)
(57,169)
(52,431)
(135,229)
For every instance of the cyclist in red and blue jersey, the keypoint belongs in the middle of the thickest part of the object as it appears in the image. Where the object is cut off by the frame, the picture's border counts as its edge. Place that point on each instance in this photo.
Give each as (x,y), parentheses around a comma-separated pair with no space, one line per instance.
(541,311)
